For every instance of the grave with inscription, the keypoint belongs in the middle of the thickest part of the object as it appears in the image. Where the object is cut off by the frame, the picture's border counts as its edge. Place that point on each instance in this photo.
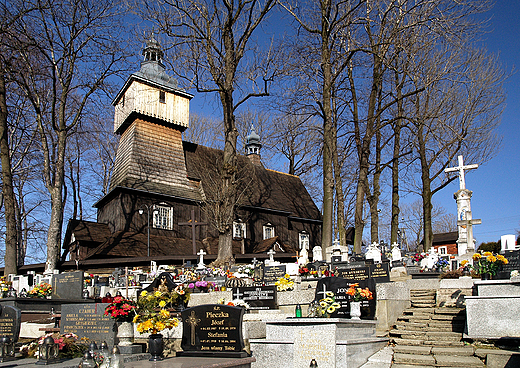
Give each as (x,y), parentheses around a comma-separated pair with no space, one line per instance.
(88,320)
(10,320)
(212,330)
(271,274)
(339,287)
(258,297)
(68,285)
(513,259)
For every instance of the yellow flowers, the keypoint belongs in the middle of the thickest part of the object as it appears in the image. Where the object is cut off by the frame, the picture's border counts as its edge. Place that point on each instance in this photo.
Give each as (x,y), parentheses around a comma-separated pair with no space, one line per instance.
(327,305)
(464,262)
(486,263)
(162,303)
(284,283)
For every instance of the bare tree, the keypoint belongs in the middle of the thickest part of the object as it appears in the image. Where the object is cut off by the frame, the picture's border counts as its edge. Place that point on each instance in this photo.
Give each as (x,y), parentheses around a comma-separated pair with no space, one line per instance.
(212,43)
(67,50)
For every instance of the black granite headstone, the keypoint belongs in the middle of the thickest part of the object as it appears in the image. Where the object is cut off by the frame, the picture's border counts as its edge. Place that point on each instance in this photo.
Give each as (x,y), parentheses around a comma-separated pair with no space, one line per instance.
(89,321)
(354,274)
(339,287)
(513,263)
(397,263)
(10,320)
(217,280)
(258,297)
(68,285)
(380,272)
(273,273)
(212,330)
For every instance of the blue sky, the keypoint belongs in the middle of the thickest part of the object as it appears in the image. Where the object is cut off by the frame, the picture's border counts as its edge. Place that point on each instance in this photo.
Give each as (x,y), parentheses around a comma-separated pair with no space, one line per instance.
(496,199)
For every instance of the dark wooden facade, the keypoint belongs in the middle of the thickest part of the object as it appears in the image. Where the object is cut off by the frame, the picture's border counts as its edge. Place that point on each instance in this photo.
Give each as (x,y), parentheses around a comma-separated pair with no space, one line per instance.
(155,170)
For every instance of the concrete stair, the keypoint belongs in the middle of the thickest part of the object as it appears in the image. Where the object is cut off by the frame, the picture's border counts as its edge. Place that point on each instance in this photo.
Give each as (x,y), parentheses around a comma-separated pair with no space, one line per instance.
(427,336)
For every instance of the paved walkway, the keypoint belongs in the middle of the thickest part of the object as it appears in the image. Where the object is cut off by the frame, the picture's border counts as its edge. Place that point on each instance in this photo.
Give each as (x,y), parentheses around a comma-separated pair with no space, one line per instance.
(381,359)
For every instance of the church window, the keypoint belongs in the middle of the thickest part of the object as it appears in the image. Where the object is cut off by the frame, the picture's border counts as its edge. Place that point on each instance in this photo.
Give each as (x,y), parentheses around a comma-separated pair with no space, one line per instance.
(443,250)
(304,240)
(163,217)
(162,97)
(268,231)
(239,230)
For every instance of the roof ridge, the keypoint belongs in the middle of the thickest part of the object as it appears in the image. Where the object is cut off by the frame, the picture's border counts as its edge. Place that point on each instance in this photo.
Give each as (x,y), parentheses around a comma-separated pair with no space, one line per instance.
(283,173)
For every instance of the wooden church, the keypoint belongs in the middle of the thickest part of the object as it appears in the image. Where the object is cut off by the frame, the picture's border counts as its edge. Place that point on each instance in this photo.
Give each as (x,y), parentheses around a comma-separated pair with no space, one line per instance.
(162,188)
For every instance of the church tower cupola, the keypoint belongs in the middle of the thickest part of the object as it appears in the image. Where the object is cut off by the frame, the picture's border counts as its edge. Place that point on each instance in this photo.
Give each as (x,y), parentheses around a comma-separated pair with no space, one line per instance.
(151,93)
(253,146)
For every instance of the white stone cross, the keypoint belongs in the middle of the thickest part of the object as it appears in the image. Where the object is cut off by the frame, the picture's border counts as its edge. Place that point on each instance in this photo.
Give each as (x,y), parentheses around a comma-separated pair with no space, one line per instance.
(469,222)
(461,169)
(271,254)
(324,292)
(201,253)
(237,294)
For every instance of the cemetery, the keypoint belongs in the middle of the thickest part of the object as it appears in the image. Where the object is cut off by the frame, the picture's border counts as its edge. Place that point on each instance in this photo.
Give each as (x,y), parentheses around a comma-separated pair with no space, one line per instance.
(262,314)
(286,302)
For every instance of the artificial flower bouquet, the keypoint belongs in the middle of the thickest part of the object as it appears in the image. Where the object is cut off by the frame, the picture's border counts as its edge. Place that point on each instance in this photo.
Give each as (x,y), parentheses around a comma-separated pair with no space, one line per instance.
(486,262)
(234,303)
(327,305)
(284,283)
(152,316)
(41,290)
(121,309)
(358,294)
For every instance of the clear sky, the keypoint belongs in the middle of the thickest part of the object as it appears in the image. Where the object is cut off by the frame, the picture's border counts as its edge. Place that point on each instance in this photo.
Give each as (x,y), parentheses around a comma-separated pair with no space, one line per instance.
(496,199)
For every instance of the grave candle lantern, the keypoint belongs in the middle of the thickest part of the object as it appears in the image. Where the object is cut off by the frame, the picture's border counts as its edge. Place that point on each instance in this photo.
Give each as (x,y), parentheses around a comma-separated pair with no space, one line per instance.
(48,351)
(6,348)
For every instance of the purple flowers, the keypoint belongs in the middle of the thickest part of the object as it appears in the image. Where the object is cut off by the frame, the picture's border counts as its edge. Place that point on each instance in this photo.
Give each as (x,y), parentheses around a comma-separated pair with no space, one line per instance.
(202,284)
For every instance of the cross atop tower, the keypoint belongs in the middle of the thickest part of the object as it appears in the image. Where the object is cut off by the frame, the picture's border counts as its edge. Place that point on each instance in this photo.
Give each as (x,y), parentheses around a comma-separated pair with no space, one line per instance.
(461,169)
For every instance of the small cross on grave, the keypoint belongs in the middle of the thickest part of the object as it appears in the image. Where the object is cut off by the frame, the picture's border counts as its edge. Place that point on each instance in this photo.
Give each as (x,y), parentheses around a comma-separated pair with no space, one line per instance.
(193,321)
(461,169)
(296,256)
(254,262)
(201,254)
(271,254)
(237,294)
(193,223)
(324,292)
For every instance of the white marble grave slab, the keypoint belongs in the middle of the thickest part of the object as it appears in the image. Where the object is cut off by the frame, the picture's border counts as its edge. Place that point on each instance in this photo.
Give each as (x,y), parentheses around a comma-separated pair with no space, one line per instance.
(319,345)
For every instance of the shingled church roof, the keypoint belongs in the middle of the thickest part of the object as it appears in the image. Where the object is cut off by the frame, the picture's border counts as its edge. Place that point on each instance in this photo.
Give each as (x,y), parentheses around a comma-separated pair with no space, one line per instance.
(258,187)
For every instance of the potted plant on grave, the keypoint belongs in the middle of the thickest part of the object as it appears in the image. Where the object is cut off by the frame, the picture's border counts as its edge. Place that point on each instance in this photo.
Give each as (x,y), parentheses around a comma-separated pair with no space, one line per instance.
(201,286)
(486,264)
(180,297)
(42,290)
(69,346)
(152,318)
(123,311)
(357,296)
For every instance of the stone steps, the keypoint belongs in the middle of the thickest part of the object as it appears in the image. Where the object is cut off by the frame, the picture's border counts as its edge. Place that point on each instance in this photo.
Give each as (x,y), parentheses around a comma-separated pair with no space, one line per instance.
(430,336)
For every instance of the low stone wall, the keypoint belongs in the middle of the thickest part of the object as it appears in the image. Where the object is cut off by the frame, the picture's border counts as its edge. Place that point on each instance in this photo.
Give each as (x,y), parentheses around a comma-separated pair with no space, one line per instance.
(452,292)
(392,299)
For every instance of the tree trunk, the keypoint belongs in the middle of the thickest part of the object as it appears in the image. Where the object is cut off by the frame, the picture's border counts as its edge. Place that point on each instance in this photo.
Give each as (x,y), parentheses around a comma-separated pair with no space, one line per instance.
(54,232)
(426,194)
(328,177)
(7,188)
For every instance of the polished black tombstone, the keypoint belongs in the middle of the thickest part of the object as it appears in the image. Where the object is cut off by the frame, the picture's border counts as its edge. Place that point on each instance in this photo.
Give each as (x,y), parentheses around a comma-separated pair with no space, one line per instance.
(212,330)
(258,297)
(339,287)
(272,274)
(10,320)
(163,282)
(89,321)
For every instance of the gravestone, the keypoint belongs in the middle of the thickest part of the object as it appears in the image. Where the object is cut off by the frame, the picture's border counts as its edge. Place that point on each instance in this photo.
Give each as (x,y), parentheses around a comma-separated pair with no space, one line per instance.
(68,285)
(272,274)
(312,344)
(212,330)
(217,280)
(380,272)
(339,287)
(89,321)
(10,320)
(513,263)
(258,297)
(164,282)
(354,274)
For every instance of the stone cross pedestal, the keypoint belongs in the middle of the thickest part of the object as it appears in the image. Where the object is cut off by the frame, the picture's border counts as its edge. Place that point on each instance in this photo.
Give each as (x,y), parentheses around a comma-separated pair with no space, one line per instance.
(465,222)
